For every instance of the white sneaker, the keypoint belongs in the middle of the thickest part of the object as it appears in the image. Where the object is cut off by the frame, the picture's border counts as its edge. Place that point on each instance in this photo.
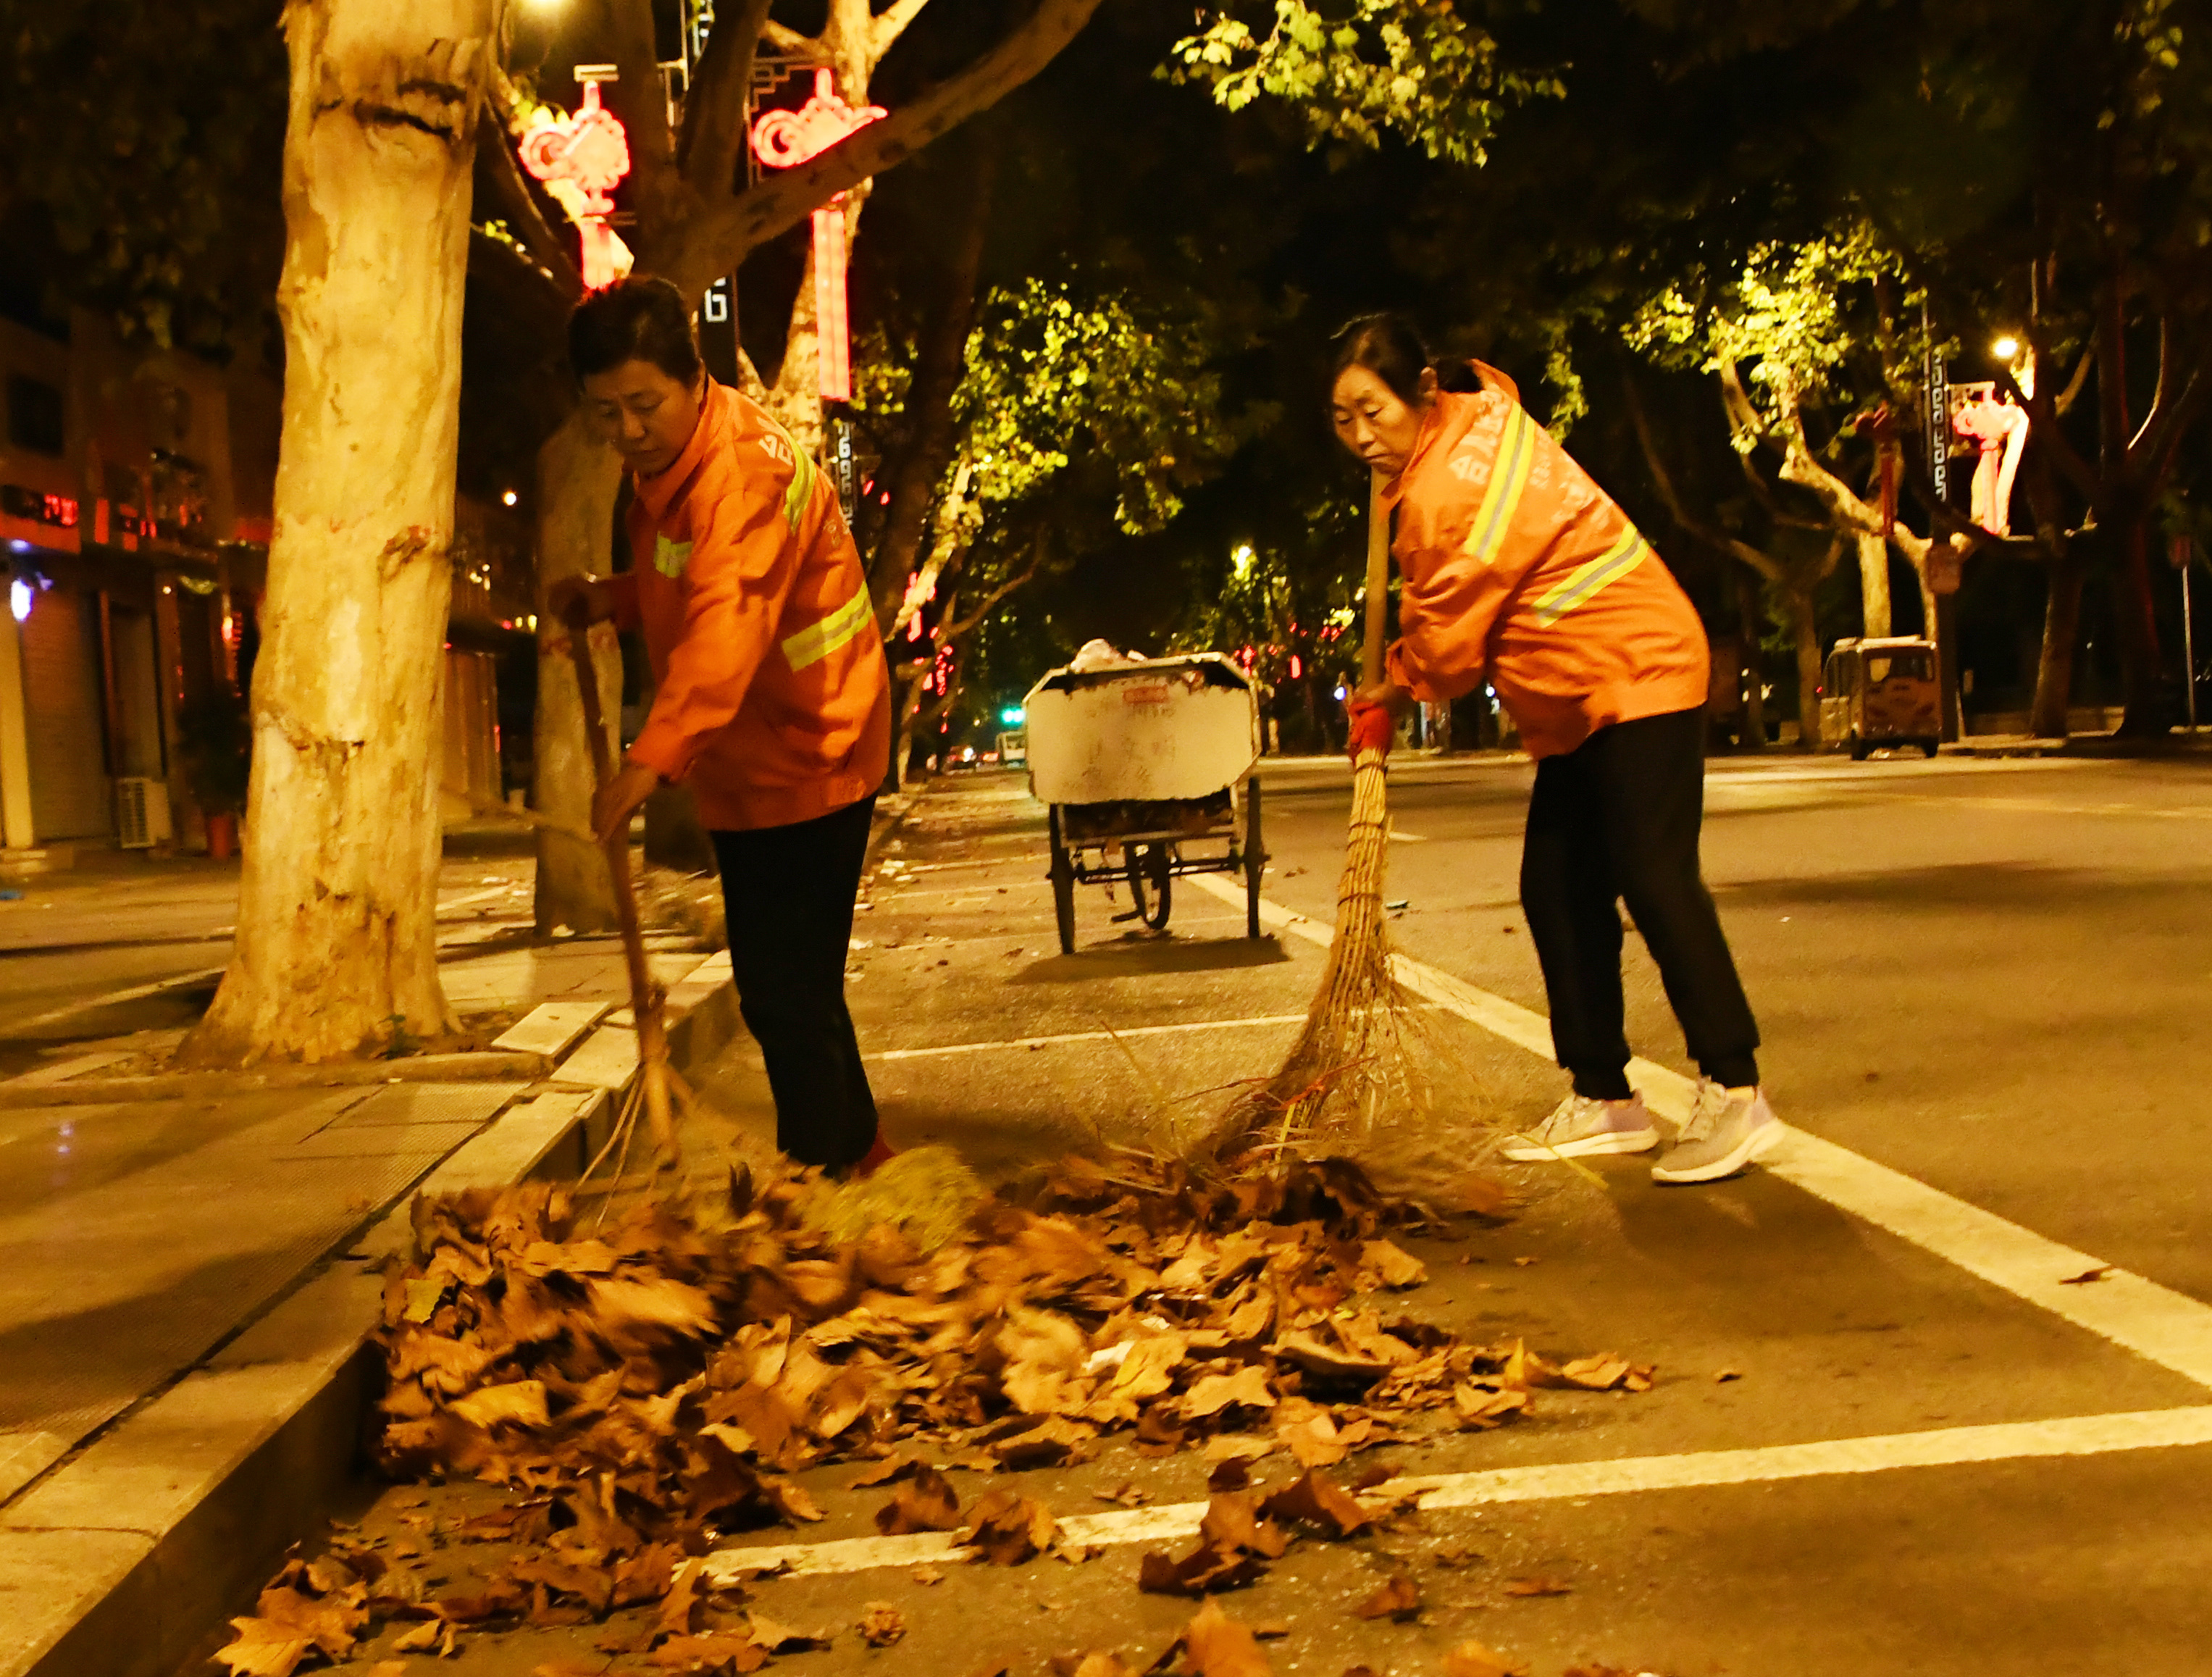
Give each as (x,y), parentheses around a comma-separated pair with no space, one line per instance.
(1720,1137)
(1580,1127)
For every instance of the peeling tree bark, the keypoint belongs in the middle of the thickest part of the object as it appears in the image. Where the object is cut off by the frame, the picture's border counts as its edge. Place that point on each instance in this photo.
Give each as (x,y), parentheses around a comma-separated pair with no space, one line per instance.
(1874,584)
(337,942)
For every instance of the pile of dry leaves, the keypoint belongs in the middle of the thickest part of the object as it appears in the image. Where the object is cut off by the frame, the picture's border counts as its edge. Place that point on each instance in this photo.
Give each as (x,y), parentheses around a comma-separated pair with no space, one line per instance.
(648,1384)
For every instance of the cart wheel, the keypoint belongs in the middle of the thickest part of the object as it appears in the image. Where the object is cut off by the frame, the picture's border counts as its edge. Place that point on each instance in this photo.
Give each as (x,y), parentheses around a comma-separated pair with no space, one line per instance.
(1860,749)
(1255,857)
(1151,886)
(1928,747)
(1063,885)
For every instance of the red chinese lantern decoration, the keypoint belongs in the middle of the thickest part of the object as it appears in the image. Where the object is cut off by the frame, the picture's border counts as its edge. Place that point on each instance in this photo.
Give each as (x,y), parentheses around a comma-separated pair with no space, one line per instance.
(581,158)
(784,140)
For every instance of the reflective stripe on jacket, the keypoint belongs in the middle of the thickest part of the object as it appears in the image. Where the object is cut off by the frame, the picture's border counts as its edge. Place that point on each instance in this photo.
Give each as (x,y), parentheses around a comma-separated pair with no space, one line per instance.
(1515,567)
(772,699)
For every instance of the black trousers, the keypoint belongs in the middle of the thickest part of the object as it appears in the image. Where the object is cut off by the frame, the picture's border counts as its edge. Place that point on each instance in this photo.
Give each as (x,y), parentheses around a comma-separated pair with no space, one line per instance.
(787,895)
(1616,820)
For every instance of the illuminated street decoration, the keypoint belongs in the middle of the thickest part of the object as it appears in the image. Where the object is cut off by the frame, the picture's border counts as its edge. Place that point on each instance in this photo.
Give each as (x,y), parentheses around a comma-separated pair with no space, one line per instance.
(581,158)
(784,140)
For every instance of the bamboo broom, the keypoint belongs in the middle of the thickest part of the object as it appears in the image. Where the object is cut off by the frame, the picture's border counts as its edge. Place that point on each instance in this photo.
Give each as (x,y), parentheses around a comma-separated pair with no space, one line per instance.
(929,1192)
(656,1077)
(1349,1062)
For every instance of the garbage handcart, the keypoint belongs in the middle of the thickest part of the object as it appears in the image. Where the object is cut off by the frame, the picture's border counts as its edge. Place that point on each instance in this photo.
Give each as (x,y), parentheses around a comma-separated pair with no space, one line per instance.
(1146,768)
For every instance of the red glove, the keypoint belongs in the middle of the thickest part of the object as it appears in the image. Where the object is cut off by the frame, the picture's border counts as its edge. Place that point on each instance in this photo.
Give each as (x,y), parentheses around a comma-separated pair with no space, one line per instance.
(1373,727)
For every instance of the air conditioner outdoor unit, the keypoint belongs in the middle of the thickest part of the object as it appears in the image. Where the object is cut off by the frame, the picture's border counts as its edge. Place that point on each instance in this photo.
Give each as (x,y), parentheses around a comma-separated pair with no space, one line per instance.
(142,812)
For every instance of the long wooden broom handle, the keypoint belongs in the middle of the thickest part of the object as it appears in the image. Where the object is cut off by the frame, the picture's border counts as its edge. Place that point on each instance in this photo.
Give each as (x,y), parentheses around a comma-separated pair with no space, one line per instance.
(617,848)
(1378,584)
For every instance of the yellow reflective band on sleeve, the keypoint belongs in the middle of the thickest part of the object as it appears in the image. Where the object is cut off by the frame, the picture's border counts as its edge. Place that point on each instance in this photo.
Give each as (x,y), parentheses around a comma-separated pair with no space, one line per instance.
(1588,580)
(818,640)
(801,489)
(1517,456)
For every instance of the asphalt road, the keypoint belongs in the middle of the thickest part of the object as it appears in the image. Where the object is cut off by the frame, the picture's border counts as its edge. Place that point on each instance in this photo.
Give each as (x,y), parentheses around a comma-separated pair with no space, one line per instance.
(1892,1432)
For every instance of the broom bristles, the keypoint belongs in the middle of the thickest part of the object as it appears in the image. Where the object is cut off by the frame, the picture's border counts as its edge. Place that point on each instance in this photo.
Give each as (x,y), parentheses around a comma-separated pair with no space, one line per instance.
(1350,1069)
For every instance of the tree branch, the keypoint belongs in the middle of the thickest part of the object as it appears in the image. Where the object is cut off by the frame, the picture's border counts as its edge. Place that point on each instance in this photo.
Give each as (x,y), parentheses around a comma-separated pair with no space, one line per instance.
(968,624)
(718,238)
(932,437)
(890,24)
(2068,396)
(714,138)
(785,39)
(522,212)
(639,99)
(2161,395)
(1765,563)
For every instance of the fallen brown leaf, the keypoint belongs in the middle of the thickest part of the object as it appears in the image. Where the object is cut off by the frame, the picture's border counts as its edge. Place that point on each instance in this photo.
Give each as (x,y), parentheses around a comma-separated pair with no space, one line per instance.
(1317,1501)
(881,1625)
(776,1639)
(1537,1586)
(1216,1646)
(926,1503)
(2086,1276)
(1211,1394)
(1398,1601)
(1008,1528)
(295,1614)
(881,1472)
(717,1652)
(1472,1659)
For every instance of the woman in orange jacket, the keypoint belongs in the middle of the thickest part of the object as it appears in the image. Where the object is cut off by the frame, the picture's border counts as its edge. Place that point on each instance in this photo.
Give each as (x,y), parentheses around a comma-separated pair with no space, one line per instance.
(772,699)
(1517,570)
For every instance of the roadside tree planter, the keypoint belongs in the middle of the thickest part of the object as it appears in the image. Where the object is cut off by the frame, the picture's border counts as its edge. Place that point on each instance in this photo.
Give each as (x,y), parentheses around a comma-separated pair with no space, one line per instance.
(1147,770)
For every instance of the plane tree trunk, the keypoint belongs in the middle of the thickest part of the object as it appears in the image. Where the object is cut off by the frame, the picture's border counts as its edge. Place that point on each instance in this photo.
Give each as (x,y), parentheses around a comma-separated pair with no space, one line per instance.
(336,949)
(578,478)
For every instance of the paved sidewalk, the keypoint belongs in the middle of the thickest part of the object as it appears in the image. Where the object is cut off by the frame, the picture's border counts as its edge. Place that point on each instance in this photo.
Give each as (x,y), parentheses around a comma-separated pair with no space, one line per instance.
(138,1239)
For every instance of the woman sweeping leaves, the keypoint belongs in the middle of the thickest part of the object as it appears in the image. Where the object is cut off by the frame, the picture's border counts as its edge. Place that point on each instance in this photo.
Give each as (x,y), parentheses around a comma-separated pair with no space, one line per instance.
(1518,570)
(773,698)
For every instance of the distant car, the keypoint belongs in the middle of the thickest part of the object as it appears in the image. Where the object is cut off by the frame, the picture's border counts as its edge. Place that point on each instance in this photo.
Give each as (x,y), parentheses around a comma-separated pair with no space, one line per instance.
(1881,693)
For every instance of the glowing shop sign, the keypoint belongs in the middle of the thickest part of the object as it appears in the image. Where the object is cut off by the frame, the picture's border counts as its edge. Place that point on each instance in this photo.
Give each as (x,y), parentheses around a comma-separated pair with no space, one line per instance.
(785,139)
(581,158)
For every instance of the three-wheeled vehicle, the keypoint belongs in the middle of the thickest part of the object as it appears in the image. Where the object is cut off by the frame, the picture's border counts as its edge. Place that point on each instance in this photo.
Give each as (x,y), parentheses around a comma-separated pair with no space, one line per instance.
(1882,693)
(1146,768)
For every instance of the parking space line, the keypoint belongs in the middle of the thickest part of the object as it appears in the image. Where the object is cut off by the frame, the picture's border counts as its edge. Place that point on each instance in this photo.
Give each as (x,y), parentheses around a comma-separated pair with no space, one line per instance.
(1946,1446)
(2165,1327)
(1089,1036)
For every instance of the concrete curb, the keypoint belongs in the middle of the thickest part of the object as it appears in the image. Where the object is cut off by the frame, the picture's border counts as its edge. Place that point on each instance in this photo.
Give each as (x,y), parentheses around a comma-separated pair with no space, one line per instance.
(482,1066)
(119,1560)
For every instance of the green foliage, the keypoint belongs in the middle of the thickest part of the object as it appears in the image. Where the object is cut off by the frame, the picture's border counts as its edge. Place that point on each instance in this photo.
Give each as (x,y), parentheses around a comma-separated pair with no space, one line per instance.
(149,137)
(1803,319)
(1414,68)
(1050,377)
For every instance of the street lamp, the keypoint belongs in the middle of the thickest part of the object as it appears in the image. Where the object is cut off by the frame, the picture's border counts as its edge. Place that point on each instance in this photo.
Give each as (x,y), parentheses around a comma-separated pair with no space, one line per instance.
(2005,348)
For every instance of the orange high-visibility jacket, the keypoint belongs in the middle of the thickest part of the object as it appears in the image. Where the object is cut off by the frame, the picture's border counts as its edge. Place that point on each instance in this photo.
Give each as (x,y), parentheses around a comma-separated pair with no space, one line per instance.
(1514,565)
(774,699)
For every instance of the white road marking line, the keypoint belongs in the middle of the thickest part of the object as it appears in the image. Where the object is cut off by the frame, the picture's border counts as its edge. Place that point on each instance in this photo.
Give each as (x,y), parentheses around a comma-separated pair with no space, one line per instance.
(2165,1327)
(2052,806)
(1403,837)
(1087,1036)
(2004,1441)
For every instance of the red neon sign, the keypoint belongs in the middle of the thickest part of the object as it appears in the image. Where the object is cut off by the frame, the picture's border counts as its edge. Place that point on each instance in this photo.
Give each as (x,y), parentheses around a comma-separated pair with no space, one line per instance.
(784,140)
(581,158)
